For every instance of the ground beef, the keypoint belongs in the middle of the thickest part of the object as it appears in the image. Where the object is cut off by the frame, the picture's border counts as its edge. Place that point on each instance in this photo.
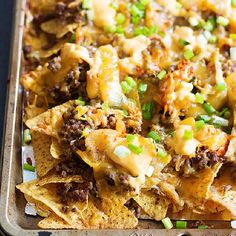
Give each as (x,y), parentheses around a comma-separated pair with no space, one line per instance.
(75,166)
(27,49)
(73,86)
(228,67)
(111,123)
(71,132)
(55,64)
(74,192)
(133,207)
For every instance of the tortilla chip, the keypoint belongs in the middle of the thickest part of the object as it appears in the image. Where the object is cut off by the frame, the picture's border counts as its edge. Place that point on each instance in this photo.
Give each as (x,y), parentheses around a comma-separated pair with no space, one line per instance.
(195,190)
(155,206)
(55,149)
(57,27)
(43,159)
(113,200)
(49,121)
(41,209)
(188,214)
(223,192)
(55,222)
(59,179)
(86,212)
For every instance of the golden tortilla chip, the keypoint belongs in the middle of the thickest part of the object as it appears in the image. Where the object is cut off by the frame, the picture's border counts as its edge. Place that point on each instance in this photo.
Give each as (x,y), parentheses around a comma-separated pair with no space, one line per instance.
(55,149)
(223,192)
(195,190)
(188,214)
(59,179)
(49,121)
(86,212)
(57,27)
(155,206)
(43,159)
(55,222)
(113,200)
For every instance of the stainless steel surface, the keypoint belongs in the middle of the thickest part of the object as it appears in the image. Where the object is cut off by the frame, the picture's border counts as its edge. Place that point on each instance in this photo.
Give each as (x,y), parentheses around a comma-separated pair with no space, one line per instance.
(12,217)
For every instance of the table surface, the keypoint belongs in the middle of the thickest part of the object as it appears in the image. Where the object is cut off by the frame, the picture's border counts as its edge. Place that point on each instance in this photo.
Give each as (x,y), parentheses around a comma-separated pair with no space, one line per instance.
(6,11)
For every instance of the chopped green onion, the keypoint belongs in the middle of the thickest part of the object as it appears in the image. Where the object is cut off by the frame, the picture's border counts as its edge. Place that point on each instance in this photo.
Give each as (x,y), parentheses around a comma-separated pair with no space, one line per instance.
(143,30)
(232,36)
(205,118)
(199,98)
(180,224)
(219,121)
(27,136)
(147,110)
(161,75)
(221,86)
(105,106)
(134,148)
(120,18)
(209,108)
(167,223)
(188,134)
(120,30)
(202,227)
(210,24)
(154,135)
(125,87)
(72,38)
(222,21)
(225,113)
(178,5)
(212,39)
(135,19)
(183,42)
(144,2)
(125,112)
(130,81)
(110,29)
(130,138)
(87,4)
(233,3)
(122,151)
(135,11)
(28,167)
(80,101)
(188,54)
(199,124)
(142,88)
(161,152)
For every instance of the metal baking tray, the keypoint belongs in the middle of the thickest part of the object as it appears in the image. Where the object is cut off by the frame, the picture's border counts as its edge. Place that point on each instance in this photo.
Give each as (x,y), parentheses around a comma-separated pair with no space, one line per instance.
(12,217)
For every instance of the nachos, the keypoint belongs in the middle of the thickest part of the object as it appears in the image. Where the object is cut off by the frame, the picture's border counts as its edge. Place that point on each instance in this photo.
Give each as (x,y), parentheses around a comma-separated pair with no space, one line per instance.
(130,110)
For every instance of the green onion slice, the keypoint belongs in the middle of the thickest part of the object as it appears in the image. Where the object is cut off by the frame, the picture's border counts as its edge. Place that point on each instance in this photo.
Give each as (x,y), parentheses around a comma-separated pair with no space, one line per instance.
(167,223)
(161,75)
(122,151)
(27,136)
(80,101)
(209,108)
(134,148)
(142,88)
(188,54)
(188,134)
(87,4)
(199,98)
(199,124)
(28,167)
(130,138)
(181,224)
(221,86)
(154,135)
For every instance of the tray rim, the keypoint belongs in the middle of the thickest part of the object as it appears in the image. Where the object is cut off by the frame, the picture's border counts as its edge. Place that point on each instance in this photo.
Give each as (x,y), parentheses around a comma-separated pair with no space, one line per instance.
(8,155)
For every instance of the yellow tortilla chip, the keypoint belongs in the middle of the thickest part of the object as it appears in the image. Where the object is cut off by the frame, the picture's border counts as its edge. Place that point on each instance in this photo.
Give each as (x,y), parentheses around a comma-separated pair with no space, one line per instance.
(223,192)
(188,214)
(55,222)
(57,27)
(155,206)
(43,159)
(49,121)
(55,149)
(59,179)
(195,190)
(113,200)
